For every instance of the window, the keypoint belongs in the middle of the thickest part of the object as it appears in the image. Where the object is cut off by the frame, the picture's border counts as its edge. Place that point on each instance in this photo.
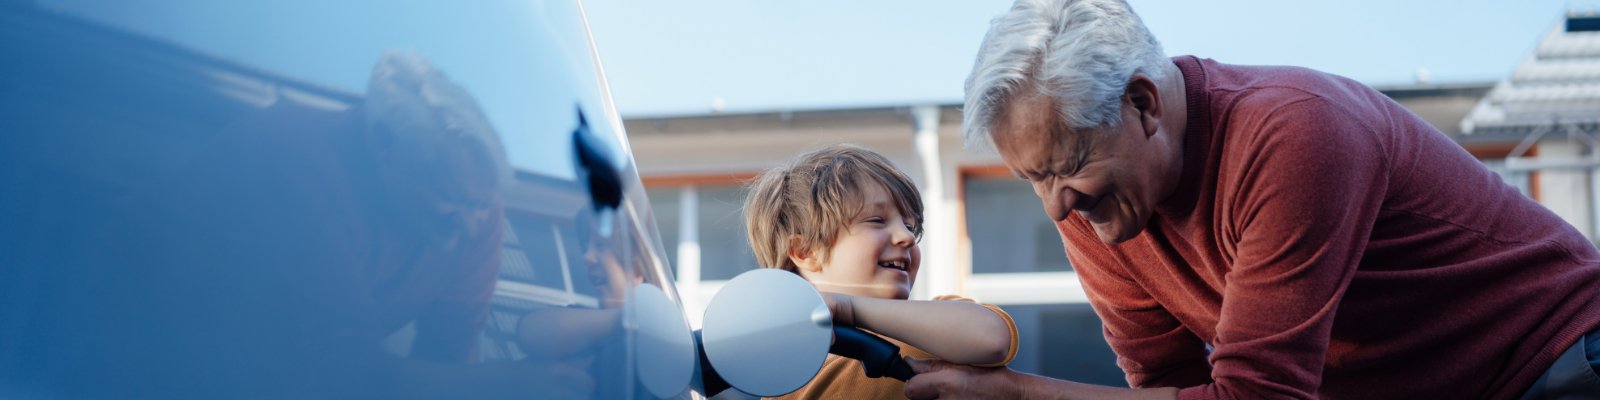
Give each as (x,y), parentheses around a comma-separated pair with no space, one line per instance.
(1064,341)
(664,203)
(724,247)
(530,254)
(717,228)
(1009,230)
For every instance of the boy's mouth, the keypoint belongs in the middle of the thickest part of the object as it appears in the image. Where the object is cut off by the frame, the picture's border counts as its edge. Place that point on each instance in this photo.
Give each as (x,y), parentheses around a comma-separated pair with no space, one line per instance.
(894,264)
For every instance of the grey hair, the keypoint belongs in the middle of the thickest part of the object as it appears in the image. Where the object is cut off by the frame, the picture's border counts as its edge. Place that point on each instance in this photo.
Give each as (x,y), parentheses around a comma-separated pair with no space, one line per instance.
(1081,53)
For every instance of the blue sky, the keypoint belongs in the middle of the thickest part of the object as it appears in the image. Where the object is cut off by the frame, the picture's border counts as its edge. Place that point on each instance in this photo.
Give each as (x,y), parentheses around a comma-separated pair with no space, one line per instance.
(669,58)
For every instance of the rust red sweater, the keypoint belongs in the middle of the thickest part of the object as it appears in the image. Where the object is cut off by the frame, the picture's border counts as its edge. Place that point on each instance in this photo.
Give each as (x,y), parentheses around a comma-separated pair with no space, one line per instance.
(1325,242)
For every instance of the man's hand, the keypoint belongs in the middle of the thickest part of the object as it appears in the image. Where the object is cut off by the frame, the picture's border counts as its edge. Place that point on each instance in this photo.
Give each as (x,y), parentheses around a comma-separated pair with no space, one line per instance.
(842,306)
(941,380)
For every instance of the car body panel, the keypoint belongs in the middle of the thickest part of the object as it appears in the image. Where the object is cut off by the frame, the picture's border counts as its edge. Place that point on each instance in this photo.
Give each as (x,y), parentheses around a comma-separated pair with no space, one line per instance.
(303,199)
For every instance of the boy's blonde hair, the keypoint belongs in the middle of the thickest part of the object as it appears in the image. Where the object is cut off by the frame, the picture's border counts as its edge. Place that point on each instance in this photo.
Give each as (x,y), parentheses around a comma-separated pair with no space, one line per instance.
(816,196)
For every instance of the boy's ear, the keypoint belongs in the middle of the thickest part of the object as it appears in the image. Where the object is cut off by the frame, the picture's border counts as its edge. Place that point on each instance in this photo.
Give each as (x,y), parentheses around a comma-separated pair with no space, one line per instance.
(802,256)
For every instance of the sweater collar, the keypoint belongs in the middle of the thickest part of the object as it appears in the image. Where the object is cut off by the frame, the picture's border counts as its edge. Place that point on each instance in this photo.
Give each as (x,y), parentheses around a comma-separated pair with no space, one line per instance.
(1196,138)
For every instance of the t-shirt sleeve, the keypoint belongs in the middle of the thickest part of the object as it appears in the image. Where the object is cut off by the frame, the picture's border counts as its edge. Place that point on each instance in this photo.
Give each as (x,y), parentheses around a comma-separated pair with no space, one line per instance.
(1153,348)
(1309,182)
(1011,327)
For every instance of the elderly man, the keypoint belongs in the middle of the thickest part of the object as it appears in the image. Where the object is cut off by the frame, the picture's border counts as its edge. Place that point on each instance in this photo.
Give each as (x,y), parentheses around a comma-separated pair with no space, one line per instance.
(1270,232)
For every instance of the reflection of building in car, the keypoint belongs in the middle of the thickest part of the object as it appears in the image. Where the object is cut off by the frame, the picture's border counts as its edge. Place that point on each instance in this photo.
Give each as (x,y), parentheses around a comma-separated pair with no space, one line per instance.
(542,261)
(563,285)
(180,225)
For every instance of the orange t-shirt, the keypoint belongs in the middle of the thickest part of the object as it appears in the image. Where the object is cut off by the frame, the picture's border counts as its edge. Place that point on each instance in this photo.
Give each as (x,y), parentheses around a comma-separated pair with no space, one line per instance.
(843,378)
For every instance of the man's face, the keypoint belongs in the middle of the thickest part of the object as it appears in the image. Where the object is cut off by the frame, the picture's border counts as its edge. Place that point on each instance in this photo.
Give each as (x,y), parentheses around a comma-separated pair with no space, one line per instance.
(451,190)
(1112,177)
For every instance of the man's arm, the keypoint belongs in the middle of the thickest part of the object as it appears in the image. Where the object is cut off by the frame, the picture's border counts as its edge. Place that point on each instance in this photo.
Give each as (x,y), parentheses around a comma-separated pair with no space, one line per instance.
(1305,195)
(957,331)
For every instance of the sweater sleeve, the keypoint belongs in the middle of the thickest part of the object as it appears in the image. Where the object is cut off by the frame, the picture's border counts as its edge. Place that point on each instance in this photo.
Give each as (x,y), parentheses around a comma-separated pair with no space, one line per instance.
(1304,186)
(1153,348)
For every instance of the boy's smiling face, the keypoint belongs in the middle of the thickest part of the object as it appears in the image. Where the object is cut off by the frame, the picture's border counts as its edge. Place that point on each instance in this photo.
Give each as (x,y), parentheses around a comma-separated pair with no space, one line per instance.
(875,255)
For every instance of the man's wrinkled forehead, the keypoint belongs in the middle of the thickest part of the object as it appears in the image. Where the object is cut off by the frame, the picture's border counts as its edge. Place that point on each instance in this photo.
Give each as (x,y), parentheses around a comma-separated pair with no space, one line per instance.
(1028,113)
(1029,129)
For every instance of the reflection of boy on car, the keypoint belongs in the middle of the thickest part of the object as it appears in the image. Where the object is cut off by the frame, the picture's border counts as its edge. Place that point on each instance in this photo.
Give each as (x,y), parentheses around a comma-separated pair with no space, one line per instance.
(846,220)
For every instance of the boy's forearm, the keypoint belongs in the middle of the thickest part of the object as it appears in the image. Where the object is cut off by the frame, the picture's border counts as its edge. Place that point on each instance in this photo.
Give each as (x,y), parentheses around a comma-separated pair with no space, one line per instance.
(956,331)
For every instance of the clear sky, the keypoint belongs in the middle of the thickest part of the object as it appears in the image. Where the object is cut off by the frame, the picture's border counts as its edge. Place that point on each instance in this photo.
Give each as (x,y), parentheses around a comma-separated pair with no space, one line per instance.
(675,57)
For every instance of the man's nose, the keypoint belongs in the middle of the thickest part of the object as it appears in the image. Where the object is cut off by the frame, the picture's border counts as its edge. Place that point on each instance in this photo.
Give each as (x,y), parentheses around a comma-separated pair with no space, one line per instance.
(1058,202)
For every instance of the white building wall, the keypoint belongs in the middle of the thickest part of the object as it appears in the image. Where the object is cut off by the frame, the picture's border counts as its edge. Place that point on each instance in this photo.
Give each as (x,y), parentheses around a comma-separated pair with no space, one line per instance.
(942,263)
(753,152)
(1566,191)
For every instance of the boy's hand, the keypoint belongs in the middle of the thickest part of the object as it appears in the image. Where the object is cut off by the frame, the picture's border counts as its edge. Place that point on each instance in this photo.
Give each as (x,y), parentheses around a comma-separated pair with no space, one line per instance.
(842,306)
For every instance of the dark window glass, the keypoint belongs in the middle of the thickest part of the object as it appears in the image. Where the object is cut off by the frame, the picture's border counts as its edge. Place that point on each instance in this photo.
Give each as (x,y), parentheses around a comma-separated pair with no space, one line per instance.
(664,203)
(1064,341)
(1008,229)
(724,247)
(530,255)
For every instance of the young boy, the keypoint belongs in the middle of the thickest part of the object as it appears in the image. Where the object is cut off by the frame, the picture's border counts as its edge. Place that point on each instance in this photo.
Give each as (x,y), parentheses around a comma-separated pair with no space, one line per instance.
(847,221)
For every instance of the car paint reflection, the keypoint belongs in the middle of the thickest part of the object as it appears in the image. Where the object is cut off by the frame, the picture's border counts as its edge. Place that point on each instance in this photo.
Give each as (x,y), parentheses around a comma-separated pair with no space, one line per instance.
(180,225)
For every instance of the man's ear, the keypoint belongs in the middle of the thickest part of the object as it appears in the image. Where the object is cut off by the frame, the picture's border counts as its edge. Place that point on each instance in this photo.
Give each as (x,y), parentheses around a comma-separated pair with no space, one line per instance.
(1146,100)
(801,255)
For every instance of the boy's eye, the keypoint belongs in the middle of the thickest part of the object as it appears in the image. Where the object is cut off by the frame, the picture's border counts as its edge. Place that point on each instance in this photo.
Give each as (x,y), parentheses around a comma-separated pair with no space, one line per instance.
(875,220)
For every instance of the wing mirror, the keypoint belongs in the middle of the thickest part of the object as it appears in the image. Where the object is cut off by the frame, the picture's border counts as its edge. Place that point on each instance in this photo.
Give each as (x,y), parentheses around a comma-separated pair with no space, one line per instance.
(596,168)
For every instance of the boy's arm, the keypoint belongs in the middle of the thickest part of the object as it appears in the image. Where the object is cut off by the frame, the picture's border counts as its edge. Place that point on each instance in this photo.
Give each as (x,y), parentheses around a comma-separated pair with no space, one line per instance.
(956,331)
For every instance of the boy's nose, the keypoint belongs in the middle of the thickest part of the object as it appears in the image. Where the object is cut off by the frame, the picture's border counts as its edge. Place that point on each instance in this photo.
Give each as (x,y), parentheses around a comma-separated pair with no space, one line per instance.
(902,236)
